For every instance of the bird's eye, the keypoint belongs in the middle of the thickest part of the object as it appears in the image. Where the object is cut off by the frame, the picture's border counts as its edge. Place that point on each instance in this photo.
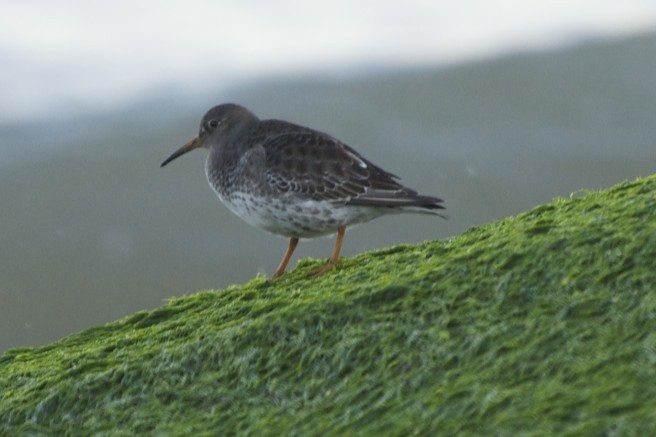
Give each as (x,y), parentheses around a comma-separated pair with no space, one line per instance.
(212,124)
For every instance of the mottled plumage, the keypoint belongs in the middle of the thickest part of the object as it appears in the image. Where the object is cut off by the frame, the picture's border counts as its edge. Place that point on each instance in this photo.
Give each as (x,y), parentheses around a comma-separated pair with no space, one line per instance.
(294,181)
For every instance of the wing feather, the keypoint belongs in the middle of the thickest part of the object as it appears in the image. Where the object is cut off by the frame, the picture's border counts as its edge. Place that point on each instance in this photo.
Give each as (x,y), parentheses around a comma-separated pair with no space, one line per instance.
(316,166)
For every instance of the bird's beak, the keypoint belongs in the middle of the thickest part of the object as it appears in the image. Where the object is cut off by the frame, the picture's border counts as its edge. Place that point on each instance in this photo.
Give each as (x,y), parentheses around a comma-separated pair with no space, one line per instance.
(190,145)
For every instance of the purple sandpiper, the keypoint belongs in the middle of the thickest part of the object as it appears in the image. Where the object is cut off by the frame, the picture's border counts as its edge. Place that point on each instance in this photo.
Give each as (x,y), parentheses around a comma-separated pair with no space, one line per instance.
(294,181)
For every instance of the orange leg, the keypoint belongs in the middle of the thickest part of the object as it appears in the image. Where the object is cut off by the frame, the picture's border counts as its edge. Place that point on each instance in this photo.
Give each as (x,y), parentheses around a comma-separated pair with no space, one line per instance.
(285,259)
(334,258)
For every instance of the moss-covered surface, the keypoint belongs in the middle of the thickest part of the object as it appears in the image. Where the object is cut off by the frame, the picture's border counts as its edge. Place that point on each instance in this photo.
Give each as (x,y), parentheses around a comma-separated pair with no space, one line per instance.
(544,323)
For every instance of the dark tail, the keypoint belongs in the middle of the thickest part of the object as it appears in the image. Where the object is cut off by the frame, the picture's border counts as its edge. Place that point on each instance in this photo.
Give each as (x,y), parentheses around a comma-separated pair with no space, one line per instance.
(406,200)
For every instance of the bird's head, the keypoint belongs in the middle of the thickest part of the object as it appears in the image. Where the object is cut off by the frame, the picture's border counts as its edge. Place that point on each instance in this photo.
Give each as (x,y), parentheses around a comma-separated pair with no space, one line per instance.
(217,126)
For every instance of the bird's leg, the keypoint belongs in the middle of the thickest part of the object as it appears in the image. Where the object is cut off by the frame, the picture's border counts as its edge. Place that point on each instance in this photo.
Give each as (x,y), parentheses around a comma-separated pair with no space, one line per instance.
(334,258)
(285,259)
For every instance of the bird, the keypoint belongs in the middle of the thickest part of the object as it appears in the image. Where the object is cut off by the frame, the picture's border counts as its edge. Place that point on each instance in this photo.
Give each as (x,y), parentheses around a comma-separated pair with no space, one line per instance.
(295,181)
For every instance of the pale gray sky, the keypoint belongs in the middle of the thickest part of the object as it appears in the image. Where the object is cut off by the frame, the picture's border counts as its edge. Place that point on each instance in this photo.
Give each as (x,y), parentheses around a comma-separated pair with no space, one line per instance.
(62,52)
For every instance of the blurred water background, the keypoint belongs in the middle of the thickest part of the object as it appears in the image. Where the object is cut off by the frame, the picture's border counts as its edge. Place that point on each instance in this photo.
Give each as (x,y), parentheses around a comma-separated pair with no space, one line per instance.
(493,106)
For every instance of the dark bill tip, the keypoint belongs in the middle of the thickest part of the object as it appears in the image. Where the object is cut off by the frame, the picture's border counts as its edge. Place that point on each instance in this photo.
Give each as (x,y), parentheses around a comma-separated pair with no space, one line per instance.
(190,145)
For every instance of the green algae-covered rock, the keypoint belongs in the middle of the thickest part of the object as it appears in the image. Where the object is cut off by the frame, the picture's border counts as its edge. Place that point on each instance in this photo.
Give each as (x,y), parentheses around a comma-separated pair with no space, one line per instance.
(543,324)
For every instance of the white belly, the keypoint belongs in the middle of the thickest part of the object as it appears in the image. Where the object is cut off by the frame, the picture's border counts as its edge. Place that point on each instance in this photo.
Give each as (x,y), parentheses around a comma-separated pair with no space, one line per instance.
(292,218)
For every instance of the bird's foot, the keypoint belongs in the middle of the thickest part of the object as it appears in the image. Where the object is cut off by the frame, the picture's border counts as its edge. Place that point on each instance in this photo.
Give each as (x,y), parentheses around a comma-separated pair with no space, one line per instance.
(325,268)
(276,275)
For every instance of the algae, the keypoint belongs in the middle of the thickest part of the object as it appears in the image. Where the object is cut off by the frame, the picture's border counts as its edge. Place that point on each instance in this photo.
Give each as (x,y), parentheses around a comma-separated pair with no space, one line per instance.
(538,324)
